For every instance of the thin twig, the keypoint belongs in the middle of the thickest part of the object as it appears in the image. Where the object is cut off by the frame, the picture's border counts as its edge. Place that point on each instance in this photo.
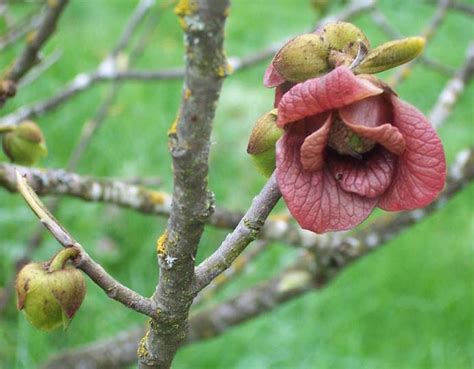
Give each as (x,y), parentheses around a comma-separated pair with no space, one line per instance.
(38,71)
(236,268)
(383,23)
(246,231)
(83,261)
(452,90)
(428,33)
(20,29)
(462,7)
(29,57)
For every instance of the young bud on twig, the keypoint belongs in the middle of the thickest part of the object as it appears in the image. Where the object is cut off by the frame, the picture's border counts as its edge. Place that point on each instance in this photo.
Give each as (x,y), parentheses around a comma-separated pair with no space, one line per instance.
(262,141)
(25,144)
(302,58)
(50,293)
(344,37)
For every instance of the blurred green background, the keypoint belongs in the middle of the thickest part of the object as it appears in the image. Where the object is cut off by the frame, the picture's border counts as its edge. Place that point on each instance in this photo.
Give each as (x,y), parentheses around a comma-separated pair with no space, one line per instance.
(410,305)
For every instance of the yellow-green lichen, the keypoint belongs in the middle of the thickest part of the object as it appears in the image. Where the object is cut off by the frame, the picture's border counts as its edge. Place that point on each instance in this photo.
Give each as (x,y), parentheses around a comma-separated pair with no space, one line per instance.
(157,197)
(160,243)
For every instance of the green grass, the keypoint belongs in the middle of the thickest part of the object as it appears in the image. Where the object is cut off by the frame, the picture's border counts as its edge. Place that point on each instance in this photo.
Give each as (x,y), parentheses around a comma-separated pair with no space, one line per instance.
(410,305)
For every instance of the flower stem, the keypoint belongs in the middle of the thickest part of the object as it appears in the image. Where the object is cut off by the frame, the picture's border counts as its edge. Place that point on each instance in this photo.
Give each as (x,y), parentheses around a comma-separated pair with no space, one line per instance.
(60,259)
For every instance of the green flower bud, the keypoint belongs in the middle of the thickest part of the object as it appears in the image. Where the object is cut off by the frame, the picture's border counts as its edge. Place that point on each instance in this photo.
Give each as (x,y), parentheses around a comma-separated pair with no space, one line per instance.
(302,58)
(25,144)
(391,54)
(50,293)
(262,142)
(344,37)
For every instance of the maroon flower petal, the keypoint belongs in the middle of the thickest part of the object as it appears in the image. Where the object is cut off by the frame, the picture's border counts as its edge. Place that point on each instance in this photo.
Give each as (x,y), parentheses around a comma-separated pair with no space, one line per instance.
(370,112)
(421,169)
(366,118)
(272,78)
(369,177)
(314,198)
(334,90)
(314,146)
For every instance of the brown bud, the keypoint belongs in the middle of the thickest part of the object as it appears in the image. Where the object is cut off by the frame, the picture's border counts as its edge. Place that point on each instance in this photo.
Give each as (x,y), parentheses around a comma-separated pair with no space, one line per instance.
(302,58)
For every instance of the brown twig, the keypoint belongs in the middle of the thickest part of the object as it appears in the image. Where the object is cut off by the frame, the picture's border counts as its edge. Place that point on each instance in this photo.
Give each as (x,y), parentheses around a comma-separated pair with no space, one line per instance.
(236,268)
(383,23)
(245,232)
(453,88)
(462,7)
(46,28)
(427,33)
(203,22)
(20,29)
(83,261)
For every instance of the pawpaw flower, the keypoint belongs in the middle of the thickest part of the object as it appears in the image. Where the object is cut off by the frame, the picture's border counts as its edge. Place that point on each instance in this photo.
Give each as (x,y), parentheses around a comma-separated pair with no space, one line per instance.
(350,143)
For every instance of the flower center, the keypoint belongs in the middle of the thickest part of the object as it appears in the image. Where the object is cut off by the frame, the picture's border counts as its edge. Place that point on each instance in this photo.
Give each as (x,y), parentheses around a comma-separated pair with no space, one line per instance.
(347,142)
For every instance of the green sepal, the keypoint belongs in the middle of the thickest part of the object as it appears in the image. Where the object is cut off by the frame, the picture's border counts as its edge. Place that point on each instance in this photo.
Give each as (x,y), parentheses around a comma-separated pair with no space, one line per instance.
(262,142)
(391,54)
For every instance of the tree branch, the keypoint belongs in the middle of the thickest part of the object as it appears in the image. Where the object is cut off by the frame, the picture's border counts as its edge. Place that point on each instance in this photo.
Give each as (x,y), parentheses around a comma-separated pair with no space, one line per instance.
(453,88)
(428,32)
(29,57)
(236,242)
(382,22)
(203,22)
(83,261)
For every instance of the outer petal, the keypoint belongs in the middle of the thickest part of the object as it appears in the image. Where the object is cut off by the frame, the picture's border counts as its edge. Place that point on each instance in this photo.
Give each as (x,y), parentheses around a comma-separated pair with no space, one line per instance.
(369,177)
(366,118)
(314,147)
(272,78)
(421,170)
(334,90)
(314,198)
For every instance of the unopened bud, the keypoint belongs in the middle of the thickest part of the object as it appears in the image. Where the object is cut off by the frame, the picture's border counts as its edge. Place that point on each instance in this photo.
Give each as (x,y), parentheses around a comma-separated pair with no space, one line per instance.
(50,293)
(391,54)
(302,58)
(25,145)
(344,37)
(262,142)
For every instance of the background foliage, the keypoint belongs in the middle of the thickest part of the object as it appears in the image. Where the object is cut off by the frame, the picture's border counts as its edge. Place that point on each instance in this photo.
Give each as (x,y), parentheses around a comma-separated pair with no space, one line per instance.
(410,305)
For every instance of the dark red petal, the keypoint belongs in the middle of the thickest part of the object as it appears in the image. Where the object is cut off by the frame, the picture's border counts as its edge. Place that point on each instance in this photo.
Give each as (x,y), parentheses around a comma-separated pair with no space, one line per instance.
(370,112)
(334,90)
(369,177)
(366,118)
(314,198)
(421,170)
(314,146)
(272,78)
